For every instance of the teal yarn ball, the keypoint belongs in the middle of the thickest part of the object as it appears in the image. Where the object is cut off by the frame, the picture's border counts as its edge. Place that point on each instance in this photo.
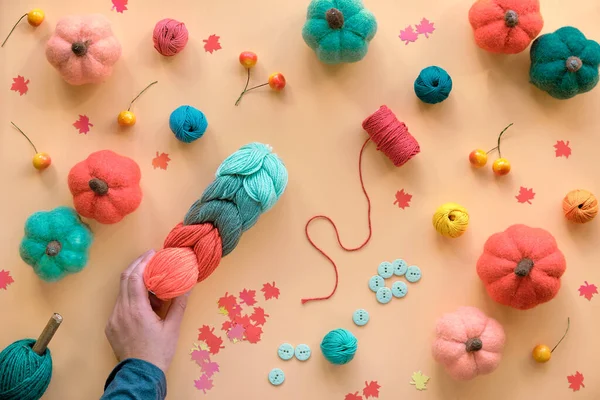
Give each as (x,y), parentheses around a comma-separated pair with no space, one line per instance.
(339,346)
(24,375)
(188,123)
(433,85)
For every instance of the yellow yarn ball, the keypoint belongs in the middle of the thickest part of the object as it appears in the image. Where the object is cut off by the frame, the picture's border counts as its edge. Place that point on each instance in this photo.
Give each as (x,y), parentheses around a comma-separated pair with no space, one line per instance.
(451,220)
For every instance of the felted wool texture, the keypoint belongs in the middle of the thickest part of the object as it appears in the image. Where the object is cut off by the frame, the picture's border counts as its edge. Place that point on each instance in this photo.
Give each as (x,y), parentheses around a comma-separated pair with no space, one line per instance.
(60,225)
(24,375)
(347,44)
(488,19)
(502,253)
(94,33)
(453,331)
(550,54)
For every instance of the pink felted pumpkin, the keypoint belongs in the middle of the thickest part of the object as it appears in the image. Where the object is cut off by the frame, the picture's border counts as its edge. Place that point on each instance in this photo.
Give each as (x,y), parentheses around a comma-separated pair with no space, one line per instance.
(468,343)
(83,49)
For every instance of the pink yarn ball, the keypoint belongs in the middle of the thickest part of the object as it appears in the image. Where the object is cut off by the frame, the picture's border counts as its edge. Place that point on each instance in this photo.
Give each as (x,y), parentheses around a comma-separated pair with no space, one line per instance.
(170,37)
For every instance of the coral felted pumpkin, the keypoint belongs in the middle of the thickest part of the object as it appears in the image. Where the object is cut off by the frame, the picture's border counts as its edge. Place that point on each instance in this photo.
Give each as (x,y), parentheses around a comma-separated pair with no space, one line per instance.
(564,63)
(106,186)
(521,267)
(56,243)
(83,49)
(505,26)
(468,343)
(339,31)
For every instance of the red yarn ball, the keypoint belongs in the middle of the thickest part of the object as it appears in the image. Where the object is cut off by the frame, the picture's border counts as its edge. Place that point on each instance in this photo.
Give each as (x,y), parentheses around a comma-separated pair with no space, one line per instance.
(170,37)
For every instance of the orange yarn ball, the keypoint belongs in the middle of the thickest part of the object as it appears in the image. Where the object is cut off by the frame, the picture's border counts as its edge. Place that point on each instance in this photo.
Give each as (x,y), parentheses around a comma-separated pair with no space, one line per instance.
(580,206)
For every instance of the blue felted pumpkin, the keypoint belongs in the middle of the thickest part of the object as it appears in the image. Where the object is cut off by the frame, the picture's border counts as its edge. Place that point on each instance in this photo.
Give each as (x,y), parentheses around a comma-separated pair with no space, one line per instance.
(339,31)
(564,63)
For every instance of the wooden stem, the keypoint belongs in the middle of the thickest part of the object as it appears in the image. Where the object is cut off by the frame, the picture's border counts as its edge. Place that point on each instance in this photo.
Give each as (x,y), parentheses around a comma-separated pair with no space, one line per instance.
(41,343)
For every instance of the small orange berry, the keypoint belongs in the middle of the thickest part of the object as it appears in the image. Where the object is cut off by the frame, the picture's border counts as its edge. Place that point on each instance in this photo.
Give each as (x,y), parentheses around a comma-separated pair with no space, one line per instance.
(41,161)
(542,353)
(126,118)
(248,59)
(478,158)
(35,17)
(501,166)
(277,81)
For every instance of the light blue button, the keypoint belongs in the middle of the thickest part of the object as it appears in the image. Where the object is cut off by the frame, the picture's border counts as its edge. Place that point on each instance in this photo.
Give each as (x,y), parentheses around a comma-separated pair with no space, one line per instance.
(285,351)
(384,295)
(360,317)
(413,274)
(399,289)
(400,267)
(376,282)
(276,377)
(302,352)
(385,270)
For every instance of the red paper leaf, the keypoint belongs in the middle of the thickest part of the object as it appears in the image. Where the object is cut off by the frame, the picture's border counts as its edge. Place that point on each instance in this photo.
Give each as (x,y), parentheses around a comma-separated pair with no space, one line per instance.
(371,389)
(228,302)
(83,124)
(226,326)
(214,342)
(253,333)
(270,291)
(425,27)
(5,279)
(248,297)
(525,195)
(119,5)
(215,345)
(234,312)
(575,381)
(402,199)
(204,383)
(353,396)
(243,321)
(588,291)
(259,316)
(209,368)
(205,332)
(236,332)
(212,44)
(200,356)
(562,149)
(161,161)
(19,85)
(408,35)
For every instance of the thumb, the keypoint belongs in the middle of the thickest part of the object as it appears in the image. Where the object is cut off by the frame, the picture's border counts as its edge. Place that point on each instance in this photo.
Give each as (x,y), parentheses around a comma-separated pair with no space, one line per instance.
(176,311)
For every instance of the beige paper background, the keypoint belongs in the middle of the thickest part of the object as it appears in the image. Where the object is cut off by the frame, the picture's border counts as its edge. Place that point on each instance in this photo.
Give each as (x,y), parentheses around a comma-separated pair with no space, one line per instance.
(315,126)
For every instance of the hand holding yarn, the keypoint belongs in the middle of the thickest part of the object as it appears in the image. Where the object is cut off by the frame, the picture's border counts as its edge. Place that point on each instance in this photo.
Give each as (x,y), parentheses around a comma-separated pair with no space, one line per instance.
(169,37)
(478,158)
(127,117)
(41,160)
(276,80)
(35,18)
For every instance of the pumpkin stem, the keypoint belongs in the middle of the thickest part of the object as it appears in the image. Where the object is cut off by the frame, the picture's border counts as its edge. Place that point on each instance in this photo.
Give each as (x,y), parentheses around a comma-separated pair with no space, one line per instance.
(26,137)
(80,48)
(511,18)
(334,18)
(53,248)
(574,64)
(13,28)
(524,267)
(98,186)
(474,344)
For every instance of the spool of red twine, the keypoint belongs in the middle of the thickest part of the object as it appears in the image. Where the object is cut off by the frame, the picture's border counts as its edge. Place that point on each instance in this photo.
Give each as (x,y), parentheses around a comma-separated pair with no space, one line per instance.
(169,36)
(395,141)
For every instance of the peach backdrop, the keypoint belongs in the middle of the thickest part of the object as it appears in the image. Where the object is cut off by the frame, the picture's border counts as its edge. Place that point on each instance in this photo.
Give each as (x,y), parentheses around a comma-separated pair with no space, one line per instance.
(315,126)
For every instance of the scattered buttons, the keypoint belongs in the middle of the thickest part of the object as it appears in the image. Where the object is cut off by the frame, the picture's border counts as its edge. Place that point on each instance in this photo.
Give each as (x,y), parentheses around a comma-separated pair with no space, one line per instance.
(376,282)
(384,295)
(276,377)
(399,289)
(400,267)
(385,270)
(302,352)
(360,317)
(413,274)
(285,351)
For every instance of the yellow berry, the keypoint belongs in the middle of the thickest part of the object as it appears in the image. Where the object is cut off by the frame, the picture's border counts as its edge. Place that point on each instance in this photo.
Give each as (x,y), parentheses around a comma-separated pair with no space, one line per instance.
(41,161)
(126,118)
(542,353)
(478,158)
(501,166)
(35,17)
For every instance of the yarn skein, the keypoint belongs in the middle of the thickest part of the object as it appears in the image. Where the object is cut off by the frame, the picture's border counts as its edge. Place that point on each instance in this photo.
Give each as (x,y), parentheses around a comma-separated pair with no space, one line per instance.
(451,220)
(580,206)
(433,85)
(339,346)
(188,123)
(248,183)
(170,37)
(395,141)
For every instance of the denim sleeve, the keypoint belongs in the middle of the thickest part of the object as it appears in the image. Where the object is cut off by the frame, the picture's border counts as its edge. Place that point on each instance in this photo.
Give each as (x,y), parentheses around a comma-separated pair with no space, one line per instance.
(135,379)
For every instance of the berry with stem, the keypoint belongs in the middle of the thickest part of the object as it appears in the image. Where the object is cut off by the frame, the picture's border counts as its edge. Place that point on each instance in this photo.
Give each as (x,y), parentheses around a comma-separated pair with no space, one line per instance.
(127,117)
(542,353)
(35,17)
(40,160)
(276,82)
(478,158)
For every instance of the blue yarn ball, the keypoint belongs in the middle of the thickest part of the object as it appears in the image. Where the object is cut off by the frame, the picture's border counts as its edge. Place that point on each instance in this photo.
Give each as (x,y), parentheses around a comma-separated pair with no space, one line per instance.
(24,375)
(339,346)
(188,123)
(433,85)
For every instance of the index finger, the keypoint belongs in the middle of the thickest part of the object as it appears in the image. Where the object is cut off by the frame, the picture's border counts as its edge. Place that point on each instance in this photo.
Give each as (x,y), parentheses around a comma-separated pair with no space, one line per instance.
(125,274)
(136,288)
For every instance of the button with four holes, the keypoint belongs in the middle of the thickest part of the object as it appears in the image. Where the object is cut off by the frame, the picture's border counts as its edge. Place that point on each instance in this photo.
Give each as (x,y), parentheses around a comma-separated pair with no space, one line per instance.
(413,274)
(360,317)
(385,270)
(276,377)
(302,352)
(285,351)
(376,282)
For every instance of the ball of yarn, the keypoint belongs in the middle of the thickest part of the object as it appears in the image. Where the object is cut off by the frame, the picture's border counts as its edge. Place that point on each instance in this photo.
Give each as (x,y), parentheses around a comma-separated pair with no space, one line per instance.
(169,36)
(339,346)
(188,123)
(580,206)
(433,85)
(24,375)
(451,220)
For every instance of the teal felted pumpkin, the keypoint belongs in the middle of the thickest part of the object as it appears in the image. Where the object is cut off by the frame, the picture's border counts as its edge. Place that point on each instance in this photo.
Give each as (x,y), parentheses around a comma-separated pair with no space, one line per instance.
(56,243)
(564,63)
(339,31)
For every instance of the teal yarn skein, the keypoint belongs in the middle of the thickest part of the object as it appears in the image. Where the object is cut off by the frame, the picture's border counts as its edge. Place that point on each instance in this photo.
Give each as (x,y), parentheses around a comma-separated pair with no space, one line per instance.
(339,346)
(24,375)
(188,123)
(433,85)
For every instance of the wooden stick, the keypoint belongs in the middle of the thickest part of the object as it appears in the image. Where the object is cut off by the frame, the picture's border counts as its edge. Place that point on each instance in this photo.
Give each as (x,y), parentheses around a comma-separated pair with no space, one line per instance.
(41,344)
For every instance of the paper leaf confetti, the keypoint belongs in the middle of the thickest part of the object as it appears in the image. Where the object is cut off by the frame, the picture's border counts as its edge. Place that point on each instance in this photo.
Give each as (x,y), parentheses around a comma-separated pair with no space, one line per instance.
(236,332)
(371,389)
(408,35)
(525,195)
(214,342)
(247,297)
(161,161)
(228,301)
(270,291)
(402,199)
(586,290)
(20,85)
(223,311)
(259,316)
(425,27)
(419,380)
(575,381)
(5,279)
(243,321)
(562,149)
(204,383)
(253,334)
(212,44)
(199,356)
(353,396)
(83,124)
(209,368)
(119,5)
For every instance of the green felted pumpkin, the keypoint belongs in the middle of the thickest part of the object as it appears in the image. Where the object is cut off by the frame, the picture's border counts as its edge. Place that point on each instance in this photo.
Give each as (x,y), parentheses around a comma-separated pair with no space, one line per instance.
(564,63)
(339,31)
(56,243)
